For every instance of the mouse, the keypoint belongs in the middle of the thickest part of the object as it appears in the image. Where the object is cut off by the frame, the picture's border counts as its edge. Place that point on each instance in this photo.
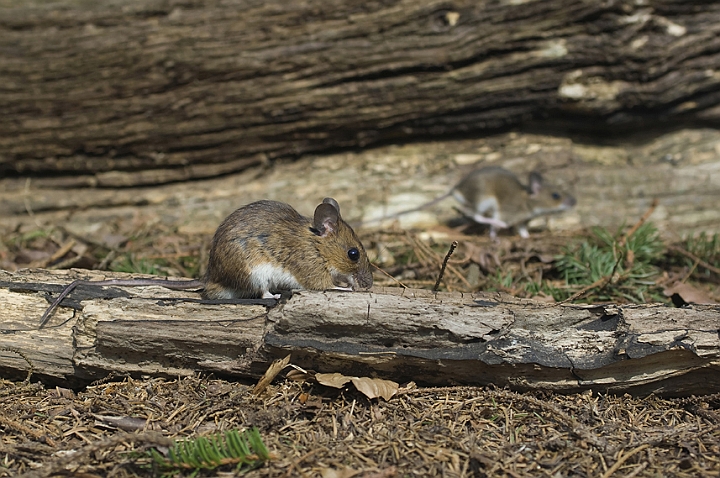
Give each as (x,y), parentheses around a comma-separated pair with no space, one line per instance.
(495,196)
(265,248)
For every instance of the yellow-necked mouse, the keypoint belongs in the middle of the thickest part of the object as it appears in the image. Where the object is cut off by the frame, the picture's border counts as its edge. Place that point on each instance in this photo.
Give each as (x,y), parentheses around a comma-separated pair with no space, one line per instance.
(267,247)
(495,196)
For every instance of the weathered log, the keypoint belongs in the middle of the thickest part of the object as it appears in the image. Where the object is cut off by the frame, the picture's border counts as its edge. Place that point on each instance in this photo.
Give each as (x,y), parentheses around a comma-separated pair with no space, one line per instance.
(188,89)
(396,334)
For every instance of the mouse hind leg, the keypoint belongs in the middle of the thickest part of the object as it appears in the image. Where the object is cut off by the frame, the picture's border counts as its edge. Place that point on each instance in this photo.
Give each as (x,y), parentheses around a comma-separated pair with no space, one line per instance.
(522,229)
(487,212)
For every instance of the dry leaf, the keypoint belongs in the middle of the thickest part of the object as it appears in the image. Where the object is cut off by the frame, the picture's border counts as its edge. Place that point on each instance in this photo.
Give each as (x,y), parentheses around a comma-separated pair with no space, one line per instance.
(375,387)
(688,293)
(270,374)
(335,380)
(297,374)
(370,387)
(346,472)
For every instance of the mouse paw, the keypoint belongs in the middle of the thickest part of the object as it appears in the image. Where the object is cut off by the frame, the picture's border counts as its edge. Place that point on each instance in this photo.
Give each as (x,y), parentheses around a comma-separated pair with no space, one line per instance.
(269,295)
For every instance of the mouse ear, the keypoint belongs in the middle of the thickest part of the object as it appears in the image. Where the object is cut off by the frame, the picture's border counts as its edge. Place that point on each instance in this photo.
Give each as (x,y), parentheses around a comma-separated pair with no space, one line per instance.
(333,203)
(534,183)
(326,218)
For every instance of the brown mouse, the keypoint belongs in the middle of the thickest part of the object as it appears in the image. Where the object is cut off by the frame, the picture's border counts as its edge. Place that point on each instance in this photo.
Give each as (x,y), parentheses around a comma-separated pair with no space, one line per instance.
(495,196)
(267,247)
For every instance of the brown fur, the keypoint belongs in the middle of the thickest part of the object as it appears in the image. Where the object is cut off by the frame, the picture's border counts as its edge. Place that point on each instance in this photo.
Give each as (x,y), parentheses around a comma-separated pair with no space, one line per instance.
(270,233)
(518,203)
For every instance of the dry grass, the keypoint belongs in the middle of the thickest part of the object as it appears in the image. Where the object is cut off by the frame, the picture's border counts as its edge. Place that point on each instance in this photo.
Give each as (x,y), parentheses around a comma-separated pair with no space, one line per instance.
(312,431)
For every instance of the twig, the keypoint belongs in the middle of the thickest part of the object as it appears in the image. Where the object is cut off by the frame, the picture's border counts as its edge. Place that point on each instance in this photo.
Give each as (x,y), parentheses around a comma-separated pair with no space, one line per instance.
(695,258)
(640,222)
(273,370)
(66,264)
(401,284)
(61,252)
(444,265)
(25,357)
(622,459)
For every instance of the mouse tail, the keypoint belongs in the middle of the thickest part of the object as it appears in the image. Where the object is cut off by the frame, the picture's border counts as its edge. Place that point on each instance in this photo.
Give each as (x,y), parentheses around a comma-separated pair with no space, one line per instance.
(407,211)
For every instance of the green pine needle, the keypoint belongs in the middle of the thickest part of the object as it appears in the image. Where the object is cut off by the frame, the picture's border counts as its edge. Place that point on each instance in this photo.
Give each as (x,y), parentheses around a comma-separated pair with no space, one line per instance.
(603,256)
(244,449)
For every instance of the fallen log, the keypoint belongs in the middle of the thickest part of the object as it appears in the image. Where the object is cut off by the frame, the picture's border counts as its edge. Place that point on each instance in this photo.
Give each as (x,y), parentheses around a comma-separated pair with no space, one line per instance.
(402,335)
(125,94)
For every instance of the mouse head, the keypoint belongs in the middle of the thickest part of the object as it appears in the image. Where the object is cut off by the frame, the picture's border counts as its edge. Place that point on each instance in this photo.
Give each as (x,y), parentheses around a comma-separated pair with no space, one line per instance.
(345,255)
(548,200)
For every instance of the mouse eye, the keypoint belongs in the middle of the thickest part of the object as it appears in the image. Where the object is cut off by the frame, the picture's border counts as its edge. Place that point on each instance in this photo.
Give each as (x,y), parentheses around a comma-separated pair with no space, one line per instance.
(354,254)
(556,196)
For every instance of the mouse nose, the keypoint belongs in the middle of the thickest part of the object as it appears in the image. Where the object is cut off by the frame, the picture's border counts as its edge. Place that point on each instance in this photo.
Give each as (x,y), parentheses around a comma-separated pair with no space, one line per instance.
(363,280)
(569,201)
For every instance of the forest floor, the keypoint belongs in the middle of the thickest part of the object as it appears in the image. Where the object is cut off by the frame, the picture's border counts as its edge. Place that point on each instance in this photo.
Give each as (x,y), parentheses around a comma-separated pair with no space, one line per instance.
(107,429)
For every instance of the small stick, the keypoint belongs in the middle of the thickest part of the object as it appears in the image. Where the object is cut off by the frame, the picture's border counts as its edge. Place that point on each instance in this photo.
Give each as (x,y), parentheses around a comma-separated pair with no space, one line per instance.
(401,284)
(170,284)
(61,252)
(695,258)
(444,265)
(640,222)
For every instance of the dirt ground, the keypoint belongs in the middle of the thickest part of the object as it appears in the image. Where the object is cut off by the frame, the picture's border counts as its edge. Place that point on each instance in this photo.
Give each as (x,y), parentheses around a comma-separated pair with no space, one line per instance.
(104,429)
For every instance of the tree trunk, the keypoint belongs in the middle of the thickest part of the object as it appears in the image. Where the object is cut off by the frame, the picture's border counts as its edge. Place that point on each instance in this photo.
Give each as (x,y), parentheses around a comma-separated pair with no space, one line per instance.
(396,334)
(130,93)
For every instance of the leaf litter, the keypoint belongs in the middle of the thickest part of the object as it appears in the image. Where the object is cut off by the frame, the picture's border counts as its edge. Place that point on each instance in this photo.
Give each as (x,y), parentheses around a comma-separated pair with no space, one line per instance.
(313,430)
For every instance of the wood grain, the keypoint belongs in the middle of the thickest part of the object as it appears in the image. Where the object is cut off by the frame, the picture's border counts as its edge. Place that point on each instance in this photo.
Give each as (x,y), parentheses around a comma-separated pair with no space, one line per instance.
(115,94)
(395,334)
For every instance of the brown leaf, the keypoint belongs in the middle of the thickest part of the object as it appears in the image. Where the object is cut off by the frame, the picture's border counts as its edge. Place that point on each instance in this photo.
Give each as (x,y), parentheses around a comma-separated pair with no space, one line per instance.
(689,293)
(297,376)
(375,387)
(335,380)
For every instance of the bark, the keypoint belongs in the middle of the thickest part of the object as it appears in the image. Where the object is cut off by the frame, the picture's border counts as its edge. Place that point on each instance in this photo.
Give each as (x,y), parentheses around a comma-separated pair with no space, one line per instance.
(146,92)
(438,339)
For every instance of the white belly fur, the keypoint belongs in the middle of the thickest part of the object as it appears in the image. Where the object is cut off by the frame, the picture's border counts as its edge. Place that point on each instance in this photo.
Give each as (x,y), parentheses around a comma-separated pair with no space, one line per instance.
(488,204)
(267,277)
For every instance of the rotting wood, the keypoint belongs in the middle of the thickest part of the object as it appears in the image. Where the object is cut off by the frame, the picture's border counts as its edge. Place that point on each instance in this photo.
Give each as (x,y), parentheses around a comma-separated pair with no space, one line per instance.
(394,334)
(119,94)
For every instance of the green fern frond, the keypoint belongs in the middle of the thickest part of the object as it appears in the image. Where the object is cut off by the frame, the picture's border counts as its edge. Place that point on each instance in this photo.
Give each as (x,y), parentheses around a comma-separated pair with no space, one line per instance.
(244,449)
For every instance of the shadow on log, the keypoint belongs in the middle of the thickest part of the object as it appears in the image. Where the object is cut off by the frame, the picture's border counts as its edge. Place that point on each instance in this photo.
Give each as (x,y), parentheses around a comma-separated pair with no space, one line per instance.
(402,335)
